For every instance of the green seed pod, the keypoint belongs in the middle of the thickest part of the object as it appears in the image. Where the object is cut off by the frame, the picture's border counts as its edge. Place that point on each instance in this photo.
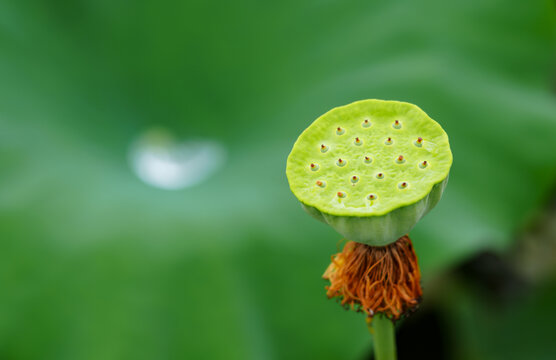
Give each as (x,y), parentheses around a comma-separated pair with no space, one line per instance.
(370,169)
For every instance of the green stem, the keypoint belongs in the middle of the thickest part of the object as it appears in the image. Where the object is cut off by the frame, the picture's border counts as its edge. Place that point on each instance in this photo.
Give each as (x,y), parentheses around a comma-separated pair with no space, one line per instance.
(384,337)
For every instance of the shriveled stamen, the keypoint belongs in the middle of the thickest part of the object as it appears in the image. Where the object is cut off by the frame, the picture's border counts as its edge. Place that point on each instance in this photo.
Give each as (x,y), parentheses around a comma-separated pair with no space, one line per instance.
(376,279)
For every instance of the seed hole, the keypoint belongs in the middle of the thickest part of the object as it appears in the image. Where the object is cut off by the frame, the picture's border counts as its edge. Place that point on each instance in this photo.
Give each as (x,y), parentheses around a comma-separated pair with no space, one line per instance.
(400,159)
(366,123)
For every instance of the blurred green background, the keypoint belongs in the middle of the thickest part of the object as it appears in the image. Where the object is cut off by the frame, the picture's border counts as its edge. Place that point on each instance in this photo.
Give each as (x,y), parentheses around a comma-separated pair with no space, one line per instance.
(144,209)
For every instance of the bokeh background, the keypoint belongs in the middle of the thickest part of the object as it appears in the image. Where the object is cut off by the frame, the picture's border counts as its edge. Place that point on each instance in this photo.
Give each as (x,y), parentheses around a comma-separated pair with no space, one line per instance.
(144,208)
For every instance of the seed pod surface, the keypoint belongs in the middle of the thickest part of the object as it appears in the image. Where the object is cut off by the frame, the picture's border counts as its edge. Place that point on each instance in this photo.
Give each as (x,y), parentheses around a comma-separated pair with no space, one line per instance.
(388,149)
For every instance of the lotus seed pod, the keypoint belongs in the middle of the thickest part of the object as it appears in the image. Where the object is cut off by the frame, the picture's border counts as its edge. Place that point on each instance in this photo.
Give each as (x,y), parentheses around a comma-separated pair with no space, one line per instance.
(385,166)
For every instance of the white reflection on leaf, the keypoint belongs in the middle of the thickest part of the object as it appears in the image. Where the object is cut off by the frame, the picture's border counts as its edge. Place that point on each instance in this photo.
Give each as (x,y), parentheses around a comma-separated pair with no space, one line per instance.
(161,161)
